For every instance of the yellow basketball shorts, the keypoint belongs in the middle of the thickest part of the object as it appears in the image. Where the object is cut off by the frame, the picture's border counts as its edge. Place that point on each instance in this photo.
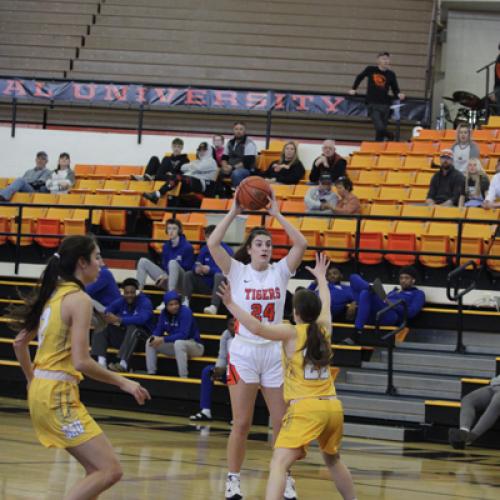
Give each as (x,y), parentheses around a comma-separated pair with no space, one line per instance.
(310,419)
(59,418)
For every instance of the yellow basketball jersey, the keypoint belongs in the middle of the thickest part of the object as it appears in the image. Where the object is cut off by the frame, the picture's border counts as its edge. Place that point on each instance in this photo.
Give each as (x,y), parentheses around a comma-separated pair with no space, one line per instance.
(304,380)
(54,339)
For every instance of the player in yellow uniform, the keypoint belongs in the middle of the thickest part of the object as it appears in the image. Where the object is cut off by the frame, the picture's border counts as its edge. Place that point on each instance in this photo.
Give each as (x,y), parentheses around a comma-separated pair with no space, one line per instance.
(60,314)
(313,411)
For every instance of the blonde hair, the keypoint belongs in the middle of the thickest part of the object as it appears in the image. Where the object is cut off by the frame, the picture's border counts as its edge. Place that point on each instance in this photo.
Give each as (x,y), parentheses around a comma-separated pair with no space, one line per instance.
(476,176)
(295,156)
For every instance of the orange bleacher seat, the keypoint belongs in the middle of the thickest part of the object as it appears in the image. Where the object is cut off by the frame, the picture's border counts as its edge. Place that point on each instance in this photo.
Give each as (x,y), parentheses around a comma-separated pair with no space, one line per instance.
(193,231)
(293,206)
(416,162)
(283,190)
(372,177)
(445,145)
(399,148)
(450,135)
(83,170)
(140,186)
(389,162)
(494,251)
(18,197)
(385,209)
(4,228)
(493,122)
(485,148)
(343,226)
(416,195)
(45,198)
(431,243)
(114,186)
(254,221)
(354,174)
(88,185)
(158,233)
(300,191)
(392,194)
(27,227)
(448,212)
(279,237)
(101,200)
(496,150)
(214,204)
(472,245)
(367,193)
(410,227)
(311,228)
(429,135)
(359,160)
(162,202)
(418,211)
(59,213)
(491,166)
(105,171)
(197,218)
(481,231)
(266,158)
(74,226)
(372,147)
(399,179)
(4,182)
(401,242)
(48,226)
(423,179)
(449,229)
(370,241)
(423,148)
(485,135)
(115,221)
(71,199)
(377,226)
(482,214)
(128,170)
(339,240)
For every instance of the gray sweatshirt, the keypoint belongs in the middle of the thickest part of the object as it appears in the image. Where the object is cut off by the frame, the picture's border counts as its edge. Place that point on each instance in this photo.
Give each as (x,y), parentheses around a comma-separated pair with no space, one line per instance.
(204,169)
(33,175)
(225,341)
(314,196)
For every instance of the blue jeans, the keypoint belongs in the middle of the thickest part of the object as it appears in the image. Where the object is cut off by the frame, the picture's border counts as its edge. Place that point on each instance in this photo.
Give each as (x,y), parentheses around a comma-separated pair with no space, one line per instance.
(18,185)
(207,386)
(238,175)
(369,304)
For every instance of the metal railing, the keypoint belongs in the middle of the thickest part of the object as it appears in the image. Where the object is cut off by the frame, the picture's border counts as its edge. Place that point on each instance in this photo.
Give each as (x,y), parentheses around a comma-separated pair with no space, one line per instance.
(487,69)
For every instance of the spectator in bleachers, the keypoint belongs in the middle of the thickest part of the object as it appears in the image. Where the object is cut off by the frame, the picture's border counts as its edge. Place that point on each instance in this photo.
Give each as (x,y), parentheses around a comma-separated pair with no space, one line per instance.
(206,276)
(348,203)
(63,178)
(176,334)
(464,148)
(447,184)
(240,154)
(369,303)
(212,373)
(328,163)
(380,80)
(177,257)
(493,197)
(475,186)
(484,401)
(321,198)
(341,295)
(218,145)
(129,319)
(33,180)
(197,176)
(156,170)
(289,169)
(103,292)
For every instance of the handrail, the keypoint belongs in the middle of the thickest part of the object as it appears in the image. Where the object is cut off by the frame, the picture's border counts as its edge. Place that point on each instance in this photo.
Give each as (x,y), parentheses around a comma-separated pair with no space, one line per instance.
(486,68)
(429,73)
(454,294)
(390,338)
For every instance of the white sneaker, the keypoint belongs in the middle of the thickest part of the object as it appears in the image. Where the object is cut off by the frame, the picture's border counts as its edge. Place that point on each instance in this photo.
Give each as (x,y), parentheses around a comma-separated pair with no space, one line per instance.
(185,302)
(210,310)
(233,491)
(161,306)
(290,493)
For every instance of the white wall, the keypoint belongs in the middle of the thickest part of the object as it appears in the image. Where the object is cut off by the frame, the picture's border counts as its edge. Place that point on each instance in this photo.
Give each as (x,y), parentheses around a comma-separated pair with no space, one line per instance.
(18,153)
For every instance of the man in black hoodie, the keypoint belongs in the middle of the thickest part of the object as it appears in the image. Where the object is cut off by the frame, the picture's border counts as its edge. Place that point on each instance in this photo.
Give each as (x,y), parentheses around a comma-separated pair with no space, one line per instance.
(380,80)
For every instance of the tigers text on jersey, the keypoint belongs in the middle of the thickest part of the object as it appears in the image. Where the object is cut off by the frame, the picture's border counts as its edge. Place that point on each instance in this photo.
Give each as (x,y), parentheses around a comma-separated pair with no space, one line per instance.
(261,293)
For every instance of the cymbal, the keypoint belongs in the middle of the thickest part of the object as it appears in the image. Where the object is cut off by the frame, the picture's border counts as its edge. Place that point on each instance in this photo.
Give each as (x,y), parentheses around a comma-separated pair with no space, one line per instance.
(466,99)
(449,99)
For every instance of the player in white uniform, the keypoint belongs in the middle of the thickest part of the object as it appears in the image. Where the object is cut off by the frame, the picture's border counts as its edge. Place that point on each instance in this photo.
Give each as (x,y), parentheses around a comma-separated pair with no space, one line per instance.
(259,287)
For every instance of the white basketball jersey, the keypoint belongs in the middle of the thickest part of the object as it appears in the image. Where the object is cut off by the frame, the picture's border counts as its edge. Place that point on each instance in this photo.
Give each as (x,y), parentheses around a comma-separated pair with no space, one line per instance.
(261,293)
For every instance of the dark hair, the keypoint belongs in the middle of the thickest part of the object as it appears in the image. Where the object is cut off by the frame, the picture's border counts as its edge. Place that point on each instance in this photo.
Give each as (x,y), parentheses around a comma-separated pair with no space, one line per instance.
(221,136)
(380,54)
(60,267)
(177,142)
(209,229)
(242,252)
(62,155)
(131,282)
(317,349)
(176,222)
(346,182)
(409,270)
(243,124)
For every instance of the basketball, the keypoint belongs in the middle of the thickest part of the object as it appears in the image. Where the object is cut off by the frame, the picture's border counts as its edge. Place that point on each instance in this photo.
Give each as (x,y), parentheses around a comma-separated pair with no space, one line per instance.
(253,193)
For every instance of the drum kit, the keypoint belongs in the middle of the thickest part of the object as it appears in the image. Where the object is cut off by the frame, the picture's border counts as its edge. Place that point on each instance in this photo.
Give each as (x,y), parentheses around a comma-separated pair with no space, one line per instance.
(472,109)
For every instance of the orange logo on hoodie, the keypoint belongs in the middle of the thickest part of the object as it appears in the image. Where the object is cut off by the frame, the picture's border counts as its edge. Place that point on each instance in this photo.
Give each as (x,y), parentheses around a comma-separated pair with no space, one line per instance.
(379,80)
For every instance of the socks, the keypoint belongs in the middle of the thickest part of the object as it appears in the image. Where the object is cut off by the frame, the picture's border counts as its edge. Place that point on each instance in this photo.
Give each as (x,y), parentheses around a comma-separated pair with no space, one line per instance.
(102,361)
(207,412)
(158,194)
(233,474)
(124,364)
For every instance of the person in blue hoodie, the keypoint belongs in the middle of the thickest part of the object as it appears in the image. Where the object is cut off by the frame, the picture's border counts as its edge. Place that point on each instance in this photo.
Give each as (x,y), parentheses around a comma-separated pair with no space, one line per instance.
(206,276)
(176,334)
(369,304)
(129,319)
(341,295)
(177,257)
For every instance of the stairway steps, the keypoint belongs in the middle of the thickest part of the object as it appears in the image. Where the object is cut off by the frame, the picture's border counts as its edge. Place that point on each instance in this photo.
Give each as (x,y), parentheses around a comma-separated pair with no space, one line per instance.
(388,433)
(401,391)
(438,370)
(382,403)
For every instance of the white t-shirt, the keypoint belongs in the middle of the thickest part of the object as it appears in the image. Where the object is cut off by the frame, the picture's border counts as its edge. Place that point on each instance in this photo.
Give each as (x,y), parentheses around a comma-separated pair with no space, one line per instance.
(494,191)
(261,293)
(461,158)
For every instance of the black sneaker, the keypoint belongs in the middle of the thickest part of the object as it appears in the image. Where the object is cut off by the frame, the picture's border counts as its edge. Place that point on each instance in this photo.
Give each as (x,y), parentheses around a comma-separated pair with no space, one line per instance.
(200,416)
(152,197)
(458,438)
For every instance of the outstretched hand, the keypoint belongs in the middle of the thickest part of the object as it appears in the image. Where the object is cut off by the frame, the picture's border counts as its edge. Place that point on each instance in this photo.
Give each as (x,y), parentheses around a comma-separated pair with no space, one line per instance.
(235,207)
(319,270)
(273,209)
(224,292)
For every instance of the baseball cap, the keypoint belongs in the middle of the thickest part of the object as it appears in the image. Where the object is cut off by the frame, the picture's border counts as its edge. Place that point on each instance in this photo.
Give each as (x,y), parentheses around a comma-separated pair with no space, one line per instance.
(325,179)
(42,154)
(446,152)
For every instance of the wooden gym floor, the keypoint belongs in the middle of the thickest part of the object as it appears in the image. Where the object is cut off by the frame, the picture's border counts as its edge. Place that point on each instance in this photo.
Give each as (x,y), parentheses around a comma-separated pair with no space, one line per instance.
(168,458)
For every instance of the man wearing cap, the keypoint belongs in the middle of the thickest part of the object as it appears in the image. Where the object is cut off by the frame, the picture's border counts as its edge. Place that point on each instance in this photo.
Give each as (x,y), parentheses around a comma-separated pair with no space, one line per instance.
(380,80)
(446,185)
(369,303)
(321,198)
(32,181)
(329,162)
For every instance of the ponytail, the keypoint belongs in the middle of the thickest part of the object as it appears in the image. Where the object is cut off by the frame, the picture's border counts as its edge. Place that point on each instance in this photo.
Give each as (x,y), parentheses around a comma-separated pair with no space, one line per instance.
(60,267)
(317,349)
(242,254)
